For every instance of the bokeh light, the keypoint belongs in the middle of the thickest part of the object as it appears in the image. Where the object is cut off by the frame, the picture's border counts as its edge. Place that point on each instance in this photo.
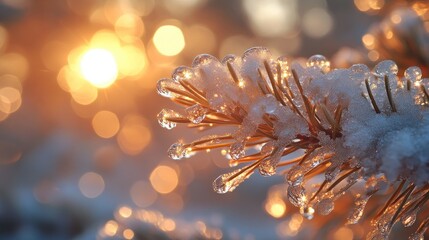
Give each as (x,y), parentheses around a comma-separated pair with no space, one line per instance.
(317,23)
(111,228)
(169,40)
(105,124)
(164,179)
(98,66)
(91,184)
(271,18)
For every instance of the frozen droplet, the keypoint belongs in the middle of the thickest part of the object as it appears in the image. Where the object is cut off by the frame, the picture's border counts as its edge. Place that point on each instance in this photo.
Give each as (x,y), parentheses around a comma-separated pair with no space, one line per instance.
(413,74)
(319,62)
(229,181)
(360,72)
(409,218)
(325,206)
(268,148)
(417,236)
(178,151)
(229,58)
(307,212)
(315,161)
(296,195)
(357,211)
(203,60)
(295,176)
(258,52)
(163,118)
(182,73)
(161,87)
(196,113)
(236,150)
(386,68)
(232,163)
(268,166)
(332,172)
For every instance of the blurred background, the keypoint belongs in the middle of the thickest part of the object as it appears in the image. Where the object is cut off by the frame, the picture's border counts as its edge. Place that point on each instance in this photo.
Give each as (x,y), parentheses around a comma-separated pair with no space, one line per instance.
(82,155)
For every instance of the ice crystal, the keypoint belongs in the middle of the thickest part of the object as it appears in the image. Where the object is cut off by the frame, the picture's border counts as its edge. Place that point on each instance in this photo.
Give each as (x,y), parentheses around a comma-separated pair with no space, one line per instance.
(343,127)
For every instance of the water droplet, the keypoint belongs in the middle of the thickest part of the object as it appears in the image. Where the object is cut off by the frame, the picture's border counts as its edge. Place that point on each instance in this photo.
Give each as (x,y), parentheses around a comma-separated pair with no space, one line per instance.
(296,195)
(236,150)
(319,62)
(202,60)
(409,218)
(295,176)
(196,113)
(182,73)
(386,67)
(417,236)
(413,74)
(357,211)
(229,181)
(325,206)
(307,212)
(163,117)
(178,151)
(360,72)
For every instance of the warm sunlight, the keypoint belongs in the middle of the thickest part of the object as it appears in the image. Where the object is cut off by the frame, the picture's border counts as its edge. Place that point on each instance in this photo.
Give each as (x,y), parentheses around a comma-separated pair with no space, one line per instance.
(98,66)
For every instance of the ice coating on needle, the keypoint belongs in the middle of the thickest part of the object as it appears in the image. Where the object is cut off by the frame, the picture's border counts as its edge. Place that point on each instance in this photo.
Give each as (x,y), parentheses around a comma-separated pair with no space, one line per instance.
(349,125)
(393,141)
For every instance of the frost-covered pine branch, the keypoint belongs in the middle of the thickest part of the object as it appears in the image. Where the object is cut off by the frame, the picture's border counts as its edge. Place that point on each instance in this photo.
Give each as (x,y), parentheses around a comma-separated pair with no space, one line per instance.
(353,127)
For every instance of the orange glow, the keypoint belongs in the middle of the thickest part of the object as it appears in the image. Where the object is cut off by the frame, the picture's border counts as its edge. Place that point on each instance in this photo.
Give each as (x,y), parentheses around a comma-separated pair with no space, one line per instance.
(362,5)
(169,40)
(98,66)
(105,124)
(125,212)
(275,207)
(368,40)
(128,233)
(168,225)
(134,136)
(91,184)
(164,179)
(111,228)
(396,18)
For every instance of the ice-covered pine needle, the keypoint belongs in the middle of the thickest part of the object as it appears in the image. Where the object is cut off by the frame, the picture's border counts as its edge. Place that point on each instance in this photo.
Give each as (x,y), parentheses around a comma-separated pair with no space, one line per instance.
(356,128)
